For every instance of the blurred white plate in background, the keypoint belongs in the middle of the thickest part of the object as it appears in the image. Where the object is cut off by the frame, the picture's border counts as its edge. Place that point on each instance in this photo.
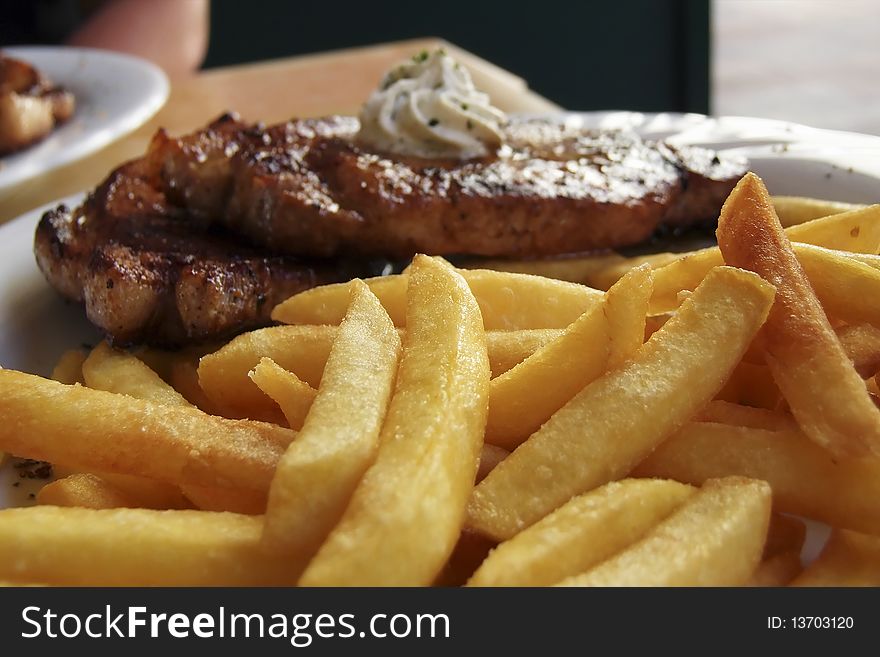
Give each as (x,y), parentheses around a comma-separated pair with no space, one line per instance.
(115,94)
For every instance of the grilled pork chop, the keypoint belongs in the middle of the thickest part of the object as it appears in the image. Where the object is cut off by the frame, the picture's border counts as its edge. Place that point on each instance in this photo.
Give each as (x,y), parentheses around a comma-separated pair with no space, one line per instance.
(183,245)
(306,187)
(147,271)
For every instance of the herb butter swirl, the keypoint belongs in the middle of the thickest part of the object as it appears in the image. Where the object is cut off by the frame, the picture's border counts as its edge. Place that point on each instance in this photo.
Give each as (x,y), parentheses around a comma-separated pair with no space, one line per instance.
(428,107)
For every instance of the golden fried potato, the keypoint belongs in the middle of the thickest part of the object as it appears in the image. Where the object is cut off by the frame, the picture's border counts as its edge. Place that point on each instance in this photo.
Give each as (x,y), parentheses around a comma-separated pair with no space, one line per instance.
(507,301)
(861,342)
(857,231)
(800,347)
(599,270)
(68,369)
(725,412)
(626,309)
(183,376)
(84,490)
(223,375)
(794,210)
(212,498)
(751,385)
(293,395)
(522,399)
(778,570)
(99,431)
(303,350)
(120,372)
(319,471)
(136,547)
(583,532)
(507,349)
(806,479)
(848,559)
(846,288)
(613,423)
(406,514)
(714,539)
(490,457)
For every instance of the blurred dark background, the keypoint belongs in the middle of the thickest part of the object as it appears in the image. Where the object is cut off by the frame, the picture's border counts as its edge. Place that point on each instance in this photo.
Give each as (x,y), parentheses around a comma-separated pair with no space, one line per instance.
(630,54)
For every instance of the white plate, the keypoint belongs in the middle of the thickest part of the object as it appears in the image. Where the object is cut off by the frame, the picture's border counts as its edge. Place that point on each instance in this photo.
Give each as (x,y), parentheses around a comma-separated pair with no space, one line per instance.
(36,326)
(115,94)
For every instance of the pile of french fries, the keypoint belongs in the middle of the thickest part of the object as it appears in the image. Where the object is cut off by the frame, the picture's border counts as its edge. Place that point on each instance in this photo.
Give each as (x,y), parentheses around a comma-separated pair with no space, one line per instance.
(472,426)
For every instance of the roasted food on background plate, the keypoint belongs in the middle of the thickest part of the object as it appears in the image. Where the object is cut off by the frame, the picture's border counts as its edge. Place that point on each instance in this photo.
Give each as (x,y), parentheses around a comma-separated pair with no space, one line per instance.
(204,234)
(30,105)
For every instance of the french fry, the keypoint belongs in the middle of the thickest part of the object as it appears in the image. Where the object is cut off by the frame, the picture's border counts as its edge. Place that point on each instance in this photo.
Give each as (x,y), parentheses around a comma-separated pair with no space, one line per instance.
(490,457)
(869,259)
(293,395)
(714,539)
(123,373)
(146,493)
(84,490)
(848,559)
(806,479)
(751,385)
(507,301)
(778,570)
(69,367)
(108,491)
(800,347)
(611,425)
(507,349)
(785,534)
(120,372)
(406,514)
(303,350)
(583,532)
(598,270)
(99,431)
(846,288)
(522,399)
(223,375)
(327,304)
(136,547)
(794,210)
(781,559)
(211,498)
(653,323)
(857,231)
(183,376)
(339,439)
(744,416)
(117,371)
(626,309)
(861,342)
(470,551)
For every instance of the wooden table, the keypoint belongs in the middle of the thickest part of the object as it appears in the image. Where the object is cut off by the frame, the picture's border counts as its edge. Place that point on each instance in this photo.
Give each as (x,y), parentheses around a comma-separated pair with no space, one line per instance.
(310,85)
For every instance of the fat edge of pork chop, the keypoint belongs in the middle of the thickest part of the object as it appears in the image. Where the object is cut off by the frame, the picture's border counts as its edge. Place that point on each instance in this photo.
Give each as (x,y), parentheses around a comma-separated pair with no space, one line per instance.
(149,272)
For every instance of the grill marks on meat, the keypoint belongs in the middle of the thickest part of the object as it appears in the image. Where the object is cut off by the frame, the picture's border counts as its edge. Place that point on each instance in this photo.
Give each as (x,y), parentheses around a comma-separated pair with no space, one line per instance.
(305,187)
(148,271)
(182,245)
